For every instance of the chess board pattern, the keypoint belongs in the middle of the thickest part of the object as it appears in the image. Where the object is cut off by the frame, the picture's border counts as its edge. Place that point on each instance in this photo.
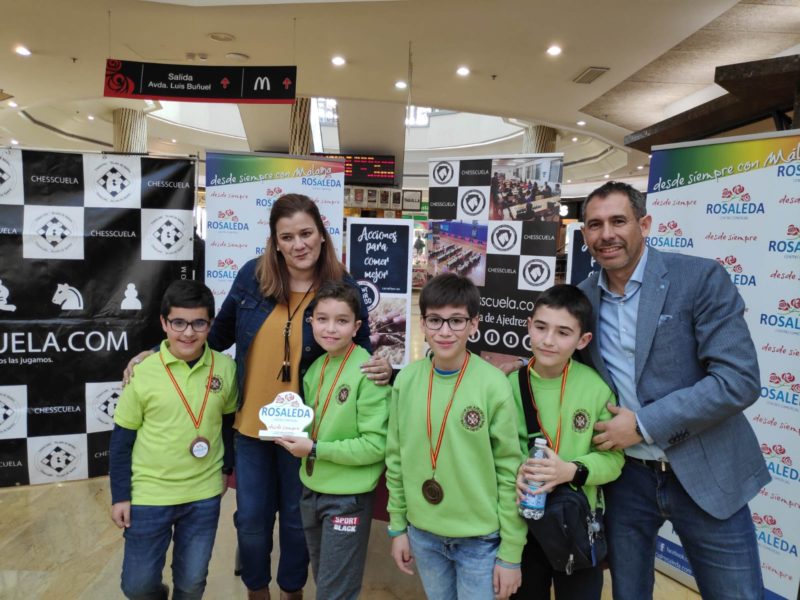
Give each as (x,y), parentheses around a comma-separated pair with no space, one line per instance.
(89,242)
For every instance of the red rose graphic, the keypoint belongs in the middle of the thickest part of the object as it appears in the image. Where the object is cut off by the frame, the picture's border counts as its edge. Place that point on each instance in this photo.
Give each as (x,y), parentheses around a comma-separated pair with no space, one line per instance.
(229,211)
(770,520)
(777,531)
(220,263)
(787,377)
(672,225)
(757,519)
(678,232)
(737,269)
(796,388)
(726,193)
(779,449)
(221,215)
(793,230)
(116,81)
(720,261)
(765,449)
(738,189)
(228,261)
(787,461)
(783,305)
(661,228)
(796,303)
(745,198)
(731,260)
(774,378)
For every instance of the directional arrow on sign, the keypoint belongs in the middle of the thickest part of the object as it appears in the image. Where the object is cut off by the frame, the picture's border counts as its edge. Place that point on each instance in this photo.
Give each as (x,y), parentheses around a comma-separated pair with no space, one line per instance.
(225,83)
(286,83)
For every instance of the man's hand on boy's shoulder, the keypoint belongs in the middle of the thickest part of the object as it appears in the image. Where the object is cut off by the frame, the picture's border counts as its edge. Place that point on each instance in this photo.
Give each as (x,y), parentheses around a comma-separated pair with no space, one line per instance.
(121,514)
(619,432)
(128,372)
(401,553)
(506,581)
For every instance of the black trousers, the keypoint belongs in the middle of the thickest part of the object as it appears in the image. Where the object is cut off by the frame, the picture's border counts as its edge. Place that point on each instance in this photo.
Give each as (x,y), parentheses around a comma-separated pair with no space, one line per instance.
(538,576)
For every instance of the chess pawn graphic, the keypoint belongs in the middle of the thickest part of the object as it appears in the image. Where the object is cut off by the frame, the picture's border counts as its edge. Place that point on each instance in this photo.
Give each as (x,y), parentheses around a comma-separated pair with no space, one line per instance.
(131,301)
(4,305)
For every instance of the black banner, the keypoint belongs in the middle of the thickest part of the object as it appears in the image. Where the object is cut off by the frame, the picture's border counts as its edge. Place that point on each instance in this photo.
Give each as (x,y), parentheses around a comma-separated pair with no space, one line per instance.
(241,85)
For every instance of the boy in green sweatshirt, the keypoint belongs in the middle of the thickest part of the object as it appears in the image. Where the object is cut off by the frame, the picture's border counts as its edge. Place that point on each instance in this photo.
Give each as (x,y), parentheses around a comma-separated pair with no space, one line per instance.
(343,457)
(452,453)
(569,398)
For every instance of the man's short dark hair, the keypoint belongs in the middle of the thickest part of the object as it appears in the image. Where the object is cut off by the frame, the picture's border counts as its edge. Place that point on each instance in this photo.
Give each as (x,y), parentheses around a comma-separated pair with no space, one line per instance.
(187,293)
(637,198)
(339,290)
(450,289)
(571,299)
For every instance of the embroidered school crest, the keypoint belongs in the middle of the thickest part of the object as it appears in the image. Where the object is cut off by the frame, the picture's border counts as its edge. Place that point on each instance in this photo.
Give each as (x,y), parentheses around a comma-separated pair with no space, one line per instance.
(216,383)
(343,394)
(472,418)
(580,421)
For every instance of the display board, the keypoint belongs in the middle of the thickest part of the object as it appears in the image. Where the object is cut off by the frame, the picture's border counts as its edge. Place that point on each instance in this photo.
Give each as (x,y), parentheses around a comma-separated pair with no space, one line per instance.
(579,261)
(240,192)
(496,220)
(379,258)
(736,201)
(89,243)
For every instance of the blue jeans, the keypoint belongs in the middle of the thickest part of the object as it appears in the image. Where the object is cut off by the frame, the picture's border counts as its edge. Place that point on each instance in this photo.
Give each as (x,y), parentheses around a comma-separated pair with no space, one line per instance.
(455,568)
(192,527)
(723,554)
(268,482)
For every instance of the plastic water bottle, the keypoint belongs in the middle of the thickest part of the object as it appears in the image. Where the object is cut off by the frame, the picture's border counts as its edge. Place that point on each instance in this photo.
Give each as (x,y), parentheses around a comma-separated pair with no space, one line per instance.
(532,507)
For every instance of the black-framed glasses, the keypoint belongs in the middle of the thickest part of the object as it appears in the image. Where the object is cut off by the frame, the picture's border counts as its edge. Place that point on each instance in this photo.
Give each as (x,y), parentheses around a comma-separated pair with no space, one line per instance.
(454,323)
(198,325)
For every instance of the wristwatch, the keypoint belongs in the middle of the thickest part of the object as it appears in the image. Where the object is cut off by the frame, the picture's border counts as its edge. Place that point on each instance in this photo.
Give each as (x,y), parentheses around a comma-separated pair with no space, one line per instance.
(581,473)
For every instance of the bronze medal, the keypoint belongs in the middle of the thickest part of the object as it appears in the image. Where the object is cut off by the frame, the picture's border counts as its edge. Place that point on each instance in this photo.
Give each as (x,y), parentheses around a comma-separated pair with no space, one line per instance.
(432,491)
(309,466)
(200,447)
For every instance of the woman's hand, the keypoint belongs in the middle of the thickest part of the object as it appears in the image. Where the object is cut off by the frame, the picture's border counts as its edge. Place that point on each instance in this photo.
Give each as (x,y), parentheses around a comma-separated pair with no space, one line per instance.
(296,446)
(378,370)
(128,372)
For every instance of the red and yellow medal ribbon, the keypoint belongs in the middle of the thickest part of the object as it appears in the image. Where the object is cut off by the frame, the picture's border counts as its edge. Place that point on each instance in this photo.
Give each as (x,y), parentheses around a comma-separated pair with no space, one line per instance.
(318,421)
(435,453)
(560,404)
(199,419)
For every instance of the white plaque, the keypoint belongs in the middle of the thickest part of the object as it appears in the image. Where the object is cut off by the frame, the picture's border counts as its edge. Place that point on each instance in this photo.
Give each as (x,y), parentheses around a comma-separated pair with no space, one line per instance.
(287,415)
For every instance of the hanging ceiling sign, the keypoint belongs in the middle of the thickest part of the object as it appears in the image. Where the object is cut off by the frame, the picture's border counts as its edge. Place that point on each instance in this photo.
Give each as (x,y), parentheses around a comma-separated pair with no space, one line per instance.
(193,83)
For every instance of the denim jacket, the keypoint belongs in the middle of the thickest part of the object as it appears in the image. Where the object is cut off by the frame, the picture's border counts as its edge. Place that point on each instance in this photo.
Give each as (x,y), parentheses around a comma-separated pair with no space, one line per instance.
(243,313)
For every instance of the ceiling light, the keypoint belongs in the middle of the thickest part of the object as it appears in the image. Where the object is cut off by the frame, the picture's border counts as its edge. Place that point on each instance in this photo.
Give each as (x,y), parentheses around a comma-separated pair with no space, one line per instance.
(22,51)
(580,123)
(606,176)
(574,139)
(564,210)
(649,156)
(338,61)
(237,56)
(569,180)
(463,71)
(640,167)
(12,104)
(554,50)
(14,142)
(90,117)
(174,141)
(221,36)
(400,85)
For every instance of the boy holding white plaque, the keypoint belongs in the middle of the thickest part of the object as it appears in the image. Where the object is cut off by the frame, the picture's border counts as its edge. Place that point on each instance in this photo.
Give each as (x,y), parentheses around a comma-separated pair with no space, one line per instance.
(343,456)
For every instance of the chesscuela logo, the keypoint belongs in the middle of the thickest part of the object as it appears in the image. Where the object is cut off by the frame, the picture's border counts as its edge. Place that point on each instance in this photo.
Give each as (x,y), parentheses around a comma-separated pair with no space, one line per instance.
(735,201)
(58,459)
(226,269)
(670,235)
(227,221)
(782,390)
(787,317)
(504,237)
(8,177)
(779,463)
(790,245)
(769,533)
(735,269)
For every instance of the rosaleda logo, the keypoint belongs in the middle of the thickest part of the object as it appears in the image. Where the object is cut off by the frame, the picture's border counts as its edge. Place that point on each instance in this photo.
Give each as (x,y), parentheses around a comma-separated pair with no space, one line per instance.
(787,316)
(443,173)
(330,228)
(227,220)
(779,463)
(504,237)
(473,202)
(328,182)
(57,459)
(536,272)
(789,170)
(789,245)
(731,264)
(370,294)
(735,201)
(226,269)
(770,535)
(782,390)
(670,235)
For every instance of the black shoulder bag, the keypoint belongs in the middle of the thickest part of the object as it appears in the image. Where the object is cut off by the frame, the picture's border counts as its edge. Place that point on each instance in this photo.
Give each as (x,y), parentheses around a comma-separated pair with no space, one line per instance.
(571,535)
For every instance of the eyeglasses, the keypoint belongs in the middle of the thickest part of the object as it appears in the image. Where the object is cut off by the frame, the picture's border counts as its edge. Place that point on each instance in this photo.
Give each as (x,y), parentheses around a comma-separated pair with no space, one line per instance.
(198,325)
(454,323)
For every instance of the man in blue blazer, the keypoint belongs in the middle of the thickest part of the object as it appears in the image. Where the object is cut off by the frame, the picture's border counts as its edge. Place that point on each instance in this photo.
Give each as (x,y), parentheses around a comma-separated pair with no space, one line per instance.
(671,340)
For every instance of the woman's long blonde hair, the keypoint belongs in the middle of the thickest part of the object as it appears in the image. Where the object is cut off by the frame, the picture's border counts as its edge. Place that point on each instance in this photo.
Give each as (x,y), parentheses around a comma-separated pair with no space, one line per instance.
(271,271)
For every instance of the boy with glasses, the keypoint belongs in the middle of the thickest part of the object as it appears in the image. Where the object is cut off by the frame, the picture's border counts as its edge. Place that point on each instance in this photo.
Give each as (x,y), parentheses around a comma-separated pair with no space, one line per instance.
(167,450)
(451,454)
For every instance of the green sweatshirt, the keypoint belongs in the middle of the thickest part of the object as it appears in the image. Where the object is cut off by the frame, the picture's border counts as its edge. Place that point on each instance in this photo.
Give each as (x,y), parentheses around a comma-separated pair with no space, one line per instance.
(477,463)
(351,440)
(585,399)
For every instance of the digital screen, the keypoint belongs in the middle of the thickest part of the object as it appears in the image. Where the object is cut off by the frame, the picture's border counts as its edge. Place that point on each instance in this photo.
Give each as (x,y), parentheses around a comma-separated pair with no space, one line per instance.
(366,169)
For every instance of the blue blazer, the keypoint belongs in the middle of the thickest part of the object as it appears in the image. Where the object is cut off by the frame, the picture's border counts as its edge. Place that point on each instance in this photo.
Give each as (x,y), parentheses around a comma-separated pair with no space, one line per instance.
(696,372)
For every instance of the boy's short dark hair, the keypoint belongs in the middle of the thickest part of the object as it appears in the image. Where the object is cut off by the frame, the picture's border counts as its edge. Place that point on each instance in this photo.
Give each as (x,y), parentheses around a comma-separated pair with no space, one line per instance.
(571,299)
(187,293)
(450,289)
(339,290)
